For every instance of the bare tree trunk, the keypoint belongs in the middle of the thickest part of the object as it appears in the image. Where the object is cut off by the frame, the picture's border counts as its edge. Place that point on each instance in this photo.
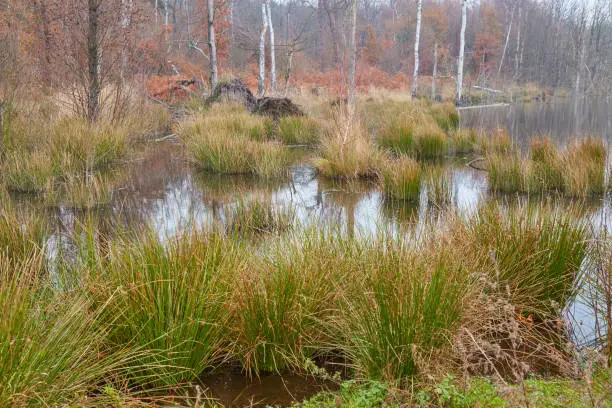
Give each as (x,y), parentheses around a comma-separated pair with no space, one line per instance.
(435,72)
(417,39)
(501,62)
(353,60)
(518,45)
(262,52)
(212,45)
(289,66)
(126,20)
(272,51)
(156,14)
(93,60)
(461,50)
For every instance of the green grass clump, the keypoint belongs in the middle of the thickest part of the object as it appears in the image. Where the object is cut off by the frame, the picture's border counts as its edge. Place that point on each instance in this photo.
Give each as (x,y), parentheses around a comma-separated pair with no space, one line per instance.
(404,309)
(547,165)
(258,216)
(286,301)
(401,179)
(439,187)
(21,234)
(230,155)
(431,141)
(584,167)
(579,171)
(535,253)
(229,120)
(347,153)
(446,115)
(498,142)
(508,173)
(28,173)
(419,136)
(464,141)
(53,349)
(299,130)
(169,298)
(234,142)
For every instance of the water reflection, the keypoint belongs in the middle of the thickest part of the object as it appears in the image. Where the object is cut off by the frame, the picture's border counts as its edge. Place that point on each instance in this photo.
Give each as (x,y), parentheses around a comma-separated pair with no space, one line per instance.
(560,118)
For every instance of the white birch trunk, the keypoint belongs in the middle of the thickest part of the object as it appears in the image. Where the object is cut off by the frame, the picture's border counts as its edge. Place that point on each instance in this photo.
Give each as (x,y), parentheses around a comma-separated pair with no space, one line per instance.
(461,50)
(352,57)
(417,39)
(272,50)
(262,52)
(435,72)
(166,13)
(212,45)
(501,62)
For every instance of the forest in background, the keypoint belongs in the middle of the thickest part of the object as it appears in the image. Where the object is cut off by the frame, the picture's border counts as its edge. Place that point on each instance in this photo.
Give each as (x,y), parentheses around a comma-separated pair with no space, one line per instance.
(550,43)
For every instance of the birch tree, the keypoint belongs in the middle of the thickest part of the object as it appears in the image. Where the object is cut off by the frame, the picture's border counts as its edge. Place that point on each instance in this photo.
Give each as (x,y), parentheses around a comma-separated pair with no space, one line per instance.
(417,38)
(352,59)
(262,51)
(434,73)
(272,49)
(501,62)
(461,50)
(212,46)
(93,60)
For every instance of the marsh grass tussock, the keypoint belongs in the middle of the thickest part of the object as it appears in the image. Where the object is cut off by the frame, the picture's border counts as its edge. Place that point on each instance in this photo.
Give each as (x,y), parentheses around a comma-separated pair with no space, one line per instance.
(401,179)
(535,253)
(445,115)
(347,152)
(170,299)
(53,349)
(405,309)
(438,184)
(464,141)
(576,171)
(299,130)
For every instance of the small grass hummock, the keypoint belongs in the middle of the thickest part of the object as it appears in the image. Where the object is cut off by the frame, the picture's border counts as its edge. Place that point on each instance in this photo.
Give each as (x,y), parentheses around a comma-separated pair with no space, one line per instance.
(579,171)
(464,141)
(347,153)
(439,187)
(508,173)
(169,298)
(299,130)
(445,115)
(405,309)
(401,179)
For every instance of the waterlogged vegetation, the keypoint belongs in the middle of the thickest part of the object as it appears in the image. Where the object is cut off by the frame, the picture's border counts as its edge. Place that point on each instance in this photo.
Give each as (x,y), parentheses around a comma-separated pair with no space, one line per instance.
(436,303)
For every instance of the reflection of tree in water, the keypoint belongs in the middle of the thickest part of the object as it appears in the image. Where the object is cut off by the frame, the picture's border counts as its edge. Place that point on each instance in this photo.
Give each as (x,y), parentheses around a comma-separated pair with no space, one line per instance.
(400,212)
(346,196)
